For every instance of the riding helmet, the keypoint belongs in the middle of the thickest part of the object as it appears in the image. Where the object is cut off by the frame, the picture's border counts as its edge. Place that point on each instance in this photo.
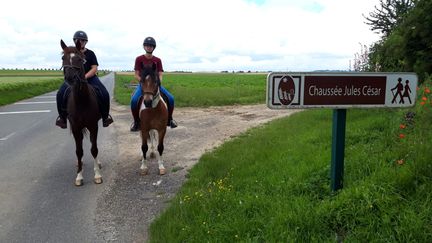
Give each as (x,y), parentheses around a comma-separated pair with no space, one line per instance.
(150,41)
(80,35)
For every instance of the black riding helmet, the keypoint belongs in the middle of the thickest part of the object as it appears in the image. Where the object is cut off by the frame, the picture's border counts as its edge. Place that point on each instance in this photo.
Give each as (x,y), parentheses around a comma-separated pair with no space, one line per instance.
(80,35)
(150,41)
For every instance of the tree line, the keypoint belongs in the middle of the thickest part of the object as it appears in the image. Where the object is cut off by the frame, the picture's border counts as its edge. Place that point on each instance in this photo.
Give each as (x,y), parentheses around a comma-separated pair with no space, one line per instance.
(406,38)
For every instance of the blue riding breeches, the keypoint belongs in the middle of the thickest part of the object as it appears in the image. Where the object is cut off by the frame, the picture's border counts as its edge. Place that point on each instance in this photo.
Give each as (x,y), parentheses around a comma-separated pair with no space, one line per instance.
(138,93)
(101,92)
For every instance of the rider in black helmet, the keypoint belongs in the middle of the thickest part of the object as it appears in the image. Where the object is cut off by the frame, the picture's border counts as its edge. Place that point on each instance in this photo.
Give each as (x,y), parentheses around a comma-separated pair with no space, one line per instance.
(90,67)
(148,58)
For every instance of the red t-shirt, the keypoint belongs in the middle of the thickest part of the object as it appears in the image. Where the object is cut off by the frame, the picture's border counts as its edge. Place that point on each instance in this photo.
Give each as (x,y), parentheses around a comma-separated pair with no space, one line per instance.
(140,60)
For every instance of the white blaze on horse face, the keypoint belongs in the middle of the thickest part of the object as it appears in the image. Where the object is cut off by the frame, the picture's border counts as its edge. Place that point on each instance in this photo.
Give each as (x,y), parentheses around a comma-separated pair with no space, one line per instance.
(72,55)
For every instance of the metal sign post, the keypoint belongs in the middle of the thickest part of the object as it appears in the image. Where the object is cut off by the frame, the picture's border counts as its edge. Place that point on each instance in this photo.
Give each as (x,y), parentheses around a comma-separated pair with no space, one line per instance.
(340,91)
(338,149)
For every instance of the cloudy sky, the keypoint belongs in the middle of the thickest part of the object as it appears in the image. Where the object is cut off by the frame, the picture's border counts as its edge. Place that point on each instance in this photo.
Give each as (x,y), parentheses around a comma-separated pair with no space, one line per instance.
(191,35)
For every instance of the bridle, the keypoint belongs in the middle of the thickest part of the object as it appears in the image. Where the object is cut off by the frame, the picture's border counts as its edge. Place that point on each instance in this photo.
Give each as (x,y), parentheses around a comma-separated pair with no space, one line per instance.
(74,65)
(156,92)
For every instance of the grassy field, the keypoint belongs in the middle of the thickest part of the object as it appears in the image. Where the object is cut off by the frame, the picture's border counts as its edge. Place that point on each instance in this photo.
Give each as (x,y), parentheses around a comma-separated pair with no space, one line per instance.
(204,89)
(16,85)
(31,73)
(22,86)
(272,184)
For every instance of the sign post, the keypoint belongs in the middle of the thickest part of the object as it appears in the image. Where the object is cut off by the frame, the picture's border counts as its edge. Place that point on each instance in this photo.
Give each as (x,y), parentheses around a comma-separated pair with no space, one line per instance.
(340,91)
(338,149)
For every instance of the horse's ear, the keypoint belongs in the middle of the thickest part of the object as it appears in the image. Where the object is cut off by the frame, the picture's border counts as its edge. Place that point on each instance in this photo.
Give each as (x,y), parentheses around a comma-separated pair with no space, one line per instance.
(63,45)
(154,66)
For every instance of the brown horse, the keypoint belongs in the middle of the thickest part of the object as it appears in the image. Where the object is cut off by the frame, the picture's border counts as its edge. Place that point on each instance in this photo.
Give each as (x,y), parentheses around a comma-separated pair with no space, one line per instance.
(82,107)
(153,117)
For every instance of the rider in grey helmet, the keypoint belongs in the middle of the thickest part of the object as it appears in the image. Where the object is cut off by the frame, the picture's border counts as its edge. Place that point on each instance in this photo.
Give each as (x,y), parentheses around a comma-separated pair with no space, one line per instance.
(90,67)
(148,58)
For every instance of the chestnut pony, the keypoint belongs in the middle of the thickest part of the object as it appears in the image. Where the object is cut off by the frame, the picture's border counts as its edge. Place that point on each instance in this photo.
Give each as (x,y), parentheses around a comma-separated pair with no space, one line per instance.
(82,107)
(153,117)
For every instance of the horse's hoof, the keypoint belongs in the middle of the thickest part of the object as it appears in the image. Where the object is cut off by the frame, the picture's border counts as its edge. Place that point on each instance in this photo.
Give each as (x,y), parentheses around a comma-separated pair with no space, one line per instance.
(79,182)
(98,180)
(144,171)
(162,171)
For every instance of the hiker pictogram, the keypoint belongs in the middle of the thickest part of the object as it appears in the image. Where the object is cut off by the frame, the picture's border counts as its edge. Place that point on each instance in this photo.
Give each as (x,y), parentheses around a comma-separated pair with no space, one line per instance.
(401,91)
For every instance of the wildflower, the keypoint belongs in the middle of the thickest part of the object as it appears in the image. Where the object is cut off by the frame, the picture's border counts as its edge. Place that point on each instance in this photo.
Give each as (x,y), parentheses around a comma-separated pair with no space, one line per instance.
(424,98)
(401,135)
(400,161)
(422,103)
(402,126)
(427,90)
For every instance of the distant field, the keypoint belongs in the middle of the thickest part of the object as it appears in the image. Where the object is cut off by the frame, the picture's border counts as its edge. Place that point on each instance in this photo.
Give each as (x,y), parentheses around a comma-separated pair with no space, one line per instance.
(16,85)
(20,73)
(203,89)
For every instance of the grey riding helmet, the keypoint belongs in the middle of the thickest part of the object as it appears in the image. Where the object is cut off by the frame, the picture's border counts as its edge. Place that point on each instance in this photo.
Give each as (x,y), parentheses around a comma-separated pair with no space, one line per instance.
(80,35)
(150,41)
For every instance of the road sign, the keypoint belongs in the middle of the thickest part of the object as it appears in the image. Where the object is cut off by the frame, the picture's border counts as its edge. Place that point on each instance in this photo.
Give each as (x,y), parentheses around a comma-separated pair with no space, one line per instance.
(286,90)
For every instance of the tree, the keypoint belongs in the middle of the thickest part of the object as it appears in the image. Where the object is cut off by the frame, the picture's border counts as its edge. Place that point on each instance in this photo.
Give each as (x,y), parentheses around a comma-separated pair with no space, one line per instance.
(361,60)
(389,15)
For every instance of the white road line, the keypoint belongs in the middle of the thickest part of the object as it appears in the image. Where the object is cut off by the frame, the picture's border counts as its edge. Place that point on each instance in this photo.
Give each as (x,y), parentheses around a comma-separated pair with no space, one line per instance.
(35,102)
(45,97)
(7,137)
(23,112)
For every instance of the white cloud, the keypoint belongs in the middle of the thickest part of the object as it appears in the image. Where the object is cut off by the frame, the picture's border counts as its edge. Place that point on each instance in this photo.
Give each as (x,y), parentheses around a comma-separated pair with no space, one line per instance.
(193,35)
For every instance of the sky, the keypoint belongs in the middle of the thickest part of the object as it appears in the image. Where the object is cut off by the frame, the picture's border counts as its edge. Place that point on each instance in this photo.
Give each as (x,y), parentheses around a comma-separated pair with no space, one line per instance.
(191,35)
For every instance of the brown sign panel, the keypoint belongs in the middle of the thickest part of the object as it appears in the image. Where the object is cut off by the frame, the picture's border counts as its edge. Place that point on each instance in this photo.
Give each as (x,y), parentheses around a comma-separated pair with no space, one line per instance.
(344,90)
(340,90)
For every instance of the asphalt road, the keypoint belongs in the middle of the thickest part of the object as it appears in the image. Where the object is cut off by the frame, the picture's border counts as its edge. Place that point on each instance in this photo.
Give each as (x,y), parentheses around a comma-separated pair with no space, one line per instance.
(38,199)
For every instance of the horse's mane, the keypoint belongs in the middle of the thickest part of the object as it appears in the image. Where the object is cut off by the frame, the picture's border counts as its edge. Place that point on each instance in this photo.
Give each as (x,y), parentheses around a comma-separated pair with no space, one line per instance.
(149,70)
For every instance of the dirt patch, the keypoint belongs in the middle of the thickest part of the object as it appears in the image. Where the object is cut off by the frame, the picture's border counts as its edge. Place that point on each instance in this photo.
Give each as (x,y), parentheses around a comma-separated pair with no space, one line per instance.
(132,201)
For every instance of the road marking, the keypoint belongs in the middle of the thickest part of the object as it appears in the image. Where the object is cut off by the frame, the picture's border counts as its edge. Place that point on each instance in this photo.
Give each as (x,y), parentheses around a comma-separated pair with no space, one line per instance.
(45,97)
(23,112)
(35,102)
(7,137)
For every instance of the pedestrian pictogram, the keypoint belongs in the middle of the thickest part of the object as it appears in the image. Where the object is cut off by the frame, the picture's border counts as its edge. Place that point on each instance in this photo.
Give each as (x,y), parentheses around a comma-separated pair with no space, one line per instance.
(401,92)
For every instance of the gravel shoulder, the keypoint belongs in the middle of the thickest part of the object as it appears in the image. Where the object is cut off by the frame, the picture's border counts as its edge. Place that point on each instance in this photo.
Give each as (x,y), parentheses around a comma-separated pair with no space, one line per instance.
(131,201)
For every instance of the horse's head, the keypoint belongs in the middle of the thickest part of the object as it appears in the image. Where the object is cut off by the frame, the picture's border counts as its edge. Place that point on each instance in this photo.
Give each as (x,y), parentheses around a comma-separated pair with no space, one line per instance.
(149,84)
(73,63)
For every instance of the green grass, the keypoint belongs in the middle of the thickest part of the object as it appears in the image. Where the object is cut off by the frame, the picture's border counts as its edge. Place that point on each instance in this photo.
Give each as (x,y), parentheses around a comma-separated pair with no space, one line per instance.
(272,183)
(16,85)
(21,73)
(203,89)
(13,89)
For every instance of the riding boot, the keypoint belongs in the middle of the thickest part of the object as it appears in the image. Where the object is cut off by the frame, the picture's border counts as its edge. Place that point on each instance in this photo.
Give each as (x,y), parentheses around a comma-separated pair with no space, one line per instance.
(107,120)
(135,127)
(171,122)
(61,122)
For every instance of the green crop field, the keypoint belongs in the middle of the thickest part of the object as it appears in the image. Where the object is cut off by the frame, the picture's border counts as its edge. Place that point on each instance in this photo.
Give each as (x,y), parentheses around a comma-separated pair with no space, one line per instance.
(203,89)
(21,73)
(16,85)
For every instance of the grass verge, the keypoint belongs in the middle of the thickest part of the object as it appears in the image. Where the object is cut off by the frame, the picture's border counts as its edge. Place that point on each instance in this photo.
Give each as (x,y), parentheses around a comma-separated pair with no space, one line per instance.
(271,184)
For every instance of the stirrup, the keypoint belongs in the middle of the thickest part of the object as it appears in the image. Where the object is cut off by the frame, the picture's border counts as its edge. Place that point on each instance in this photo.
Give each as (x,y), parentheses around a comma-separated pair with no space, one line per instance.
(106,122)
(62,123)
(135,127)
(172,123)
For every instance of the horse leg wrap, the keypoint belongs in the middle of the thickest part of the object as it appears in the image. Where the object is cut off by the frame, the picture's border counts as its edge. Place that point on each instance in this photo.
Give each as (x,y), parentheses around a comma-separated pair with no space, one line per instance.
(144,149)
